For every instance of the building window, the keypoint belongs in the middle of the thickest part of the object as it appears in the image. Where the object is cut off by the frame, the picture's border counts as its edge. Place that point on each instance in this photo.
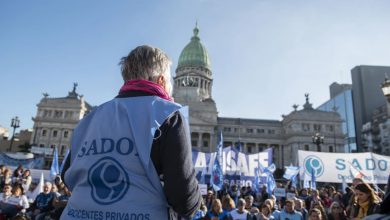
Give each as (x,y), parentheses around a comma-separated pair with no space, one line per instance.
(44,132)
(52,146)
(249,130)
(236,130)
(271,131)
(319,148)
(260,131)
(55,132)
(227,129)
(330,148)
(41,145)
(249,149)
(329,128)
(305,127)
(66,134)
(57,114)
(194,139)
(306,147)
(317,127)
(205,144)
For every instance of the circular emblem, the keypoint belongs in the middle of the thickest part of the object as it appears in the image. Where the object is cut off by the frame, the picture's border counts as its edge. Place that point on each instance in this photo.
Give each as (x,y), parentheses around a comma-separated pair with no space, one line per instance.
(108,180)
(315,164)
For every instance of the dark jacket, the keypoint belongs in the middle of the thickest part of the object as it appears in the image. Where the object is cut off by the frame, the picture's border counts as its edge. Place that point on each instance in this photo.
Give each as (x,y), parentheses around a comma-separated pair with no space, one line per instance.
(372,209)
(171,155)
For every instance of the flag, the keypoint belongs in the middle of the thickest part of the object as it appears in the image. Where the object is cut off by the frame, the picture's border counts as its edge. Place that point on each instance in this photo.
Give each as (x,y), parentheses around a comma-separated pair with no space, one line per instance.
(270,169)
(64,160)
(203,176)
(294,180)
(38,189)
(238,146)
(54,170)
(217,175)
(256,183)
(313,180)
(290,172)
(271,185)
(306,181)
(355,173)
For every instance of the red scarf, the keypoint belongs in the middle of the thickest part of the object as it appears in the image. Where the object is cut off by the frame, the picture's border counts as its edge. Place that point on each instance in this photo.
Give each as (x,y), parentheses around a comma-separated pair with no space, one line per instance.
(145,86)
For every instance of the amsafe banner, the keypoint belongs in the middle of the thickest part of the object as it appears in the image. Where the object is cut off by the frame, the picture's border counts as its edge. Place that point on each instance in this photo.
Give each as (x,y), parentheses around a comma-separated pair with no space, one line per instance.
(237,167)
(333,167)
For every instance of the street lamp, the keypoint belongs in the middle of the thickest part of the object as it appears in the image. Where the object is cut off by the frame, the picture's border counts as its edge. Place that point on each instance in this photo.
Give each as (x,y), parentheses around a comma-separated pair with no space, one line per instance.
(386,88)
(318,140)
(15,124)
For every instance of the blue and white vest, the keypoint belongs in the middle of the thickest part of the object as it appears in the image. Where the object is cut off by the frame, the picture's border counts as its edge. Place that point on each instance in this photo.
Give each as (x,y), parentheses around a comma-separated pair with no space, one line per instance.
(111,174)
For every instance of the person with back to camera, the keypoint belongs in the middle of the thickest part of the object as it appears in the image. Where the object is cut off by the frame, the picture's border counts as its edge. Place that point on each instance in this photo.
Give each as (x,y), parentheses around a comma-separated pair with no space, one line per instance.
(130,157)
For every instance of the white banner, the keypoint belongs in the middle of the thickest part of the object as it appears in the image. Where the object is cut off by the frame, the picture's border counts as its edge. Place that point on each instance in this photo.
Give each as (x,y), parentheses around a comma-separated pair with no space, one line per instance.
(332,167)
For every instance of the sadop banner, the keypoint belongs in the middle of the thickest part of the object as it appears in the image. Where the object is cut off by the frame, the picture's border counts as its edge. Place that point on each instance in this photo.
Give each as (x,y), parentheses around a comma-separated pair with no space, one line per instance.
(237,167)
(334,167)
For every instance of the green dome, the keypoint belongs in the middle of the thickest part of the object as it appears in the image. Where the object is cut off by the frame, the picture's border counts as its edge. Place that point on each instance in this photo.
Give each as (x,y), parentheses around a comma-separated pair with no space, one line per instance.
(194,54)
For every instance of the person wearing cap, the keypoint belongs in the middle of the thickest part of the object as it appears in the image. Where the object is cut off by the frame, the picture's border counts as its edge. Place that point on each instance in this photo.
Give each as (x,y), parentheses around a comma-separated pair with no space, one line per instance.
(131,157)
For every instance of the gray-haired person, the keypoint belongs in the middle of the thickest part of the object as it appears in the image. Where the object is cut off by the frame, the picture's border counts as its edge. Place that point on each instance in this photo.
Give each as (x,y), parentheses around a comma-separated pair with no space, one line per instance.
(123,150)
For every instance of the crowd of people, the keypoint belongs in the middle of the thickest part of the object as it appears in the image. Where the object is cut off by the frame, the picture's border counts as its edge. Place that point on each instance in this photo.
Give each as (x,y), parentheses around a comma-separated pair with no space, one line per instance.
(359,201)
(17,201)
(20,200)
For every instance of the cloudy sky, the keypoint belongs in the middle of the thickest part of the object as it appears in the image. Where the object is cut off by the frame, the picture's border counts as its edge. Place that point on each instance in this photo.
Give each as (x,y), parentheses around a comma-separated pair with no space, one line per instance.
(265,54)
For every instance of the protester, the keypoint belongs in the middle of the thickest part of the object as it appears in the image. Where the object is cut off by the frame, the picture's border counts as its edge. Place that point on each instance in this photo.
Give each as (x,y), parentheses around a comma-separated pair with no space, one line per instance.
(300,207)
(265,213)
(274,211)
(26,180)
(126,145)
(240,213)
(366,202)
(248,202)
(288,212)
(228,203)
(315,214)
(18,201)
(336,212)
(318,205)
(43,203)
(216,212)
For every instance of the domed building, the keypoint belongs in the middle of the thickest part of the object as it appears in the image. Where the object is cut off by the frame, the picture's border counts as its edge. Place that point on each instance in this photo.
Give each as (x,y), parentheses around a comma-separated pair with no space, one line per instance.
(193,84)
(192,87)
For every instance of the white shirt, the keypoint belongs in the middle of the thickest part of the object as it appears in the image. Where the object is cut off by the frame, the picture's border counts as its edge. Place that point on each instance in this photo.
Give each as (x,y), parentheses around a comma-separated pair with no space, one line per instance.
(237,216)
(19,201)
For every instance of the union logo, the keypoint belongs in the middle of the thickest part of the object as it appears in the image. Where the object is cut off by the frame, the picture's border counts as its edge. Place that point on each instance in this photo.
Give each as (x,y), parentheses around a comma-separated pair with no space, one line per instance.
(315,164)
(108,180)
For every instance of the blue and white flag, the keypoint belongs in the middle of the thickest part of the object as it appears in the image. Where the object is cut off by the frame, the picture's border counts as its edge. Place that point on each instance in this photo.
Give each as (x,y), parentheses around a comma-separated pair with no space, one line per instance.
(313,184)
(64,160)
(290,172)
(294,181)
(217,175)
(306,181)
(257,180)
(271,184)
(270,169)
(54,170)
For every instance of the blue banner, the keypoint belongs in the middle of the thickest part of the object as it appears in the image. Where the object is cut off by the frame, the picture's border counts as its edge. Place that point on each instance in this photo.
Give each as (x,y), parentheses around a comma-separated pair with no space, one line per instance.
(237,167)
(34,163)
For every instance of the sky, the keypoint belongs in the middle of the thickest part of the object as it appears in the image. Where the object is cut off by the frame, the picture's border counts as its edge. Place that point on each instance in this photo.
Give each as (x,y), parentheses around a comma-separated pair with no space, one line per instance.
(265,54)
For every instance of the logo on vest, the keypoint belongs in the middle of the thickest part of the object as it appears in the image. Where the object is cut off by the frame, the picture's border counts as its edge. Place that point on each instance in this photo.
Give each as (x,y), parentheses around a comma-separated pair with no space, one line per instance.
(108,180)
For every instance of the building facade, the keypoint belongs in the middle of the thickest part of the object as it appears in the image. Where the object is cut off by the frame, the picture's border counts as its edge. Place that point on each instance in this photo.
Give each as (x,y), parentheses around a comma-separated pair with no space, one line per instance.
(341,102)
(54,123)
(367,95)
(193,87)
